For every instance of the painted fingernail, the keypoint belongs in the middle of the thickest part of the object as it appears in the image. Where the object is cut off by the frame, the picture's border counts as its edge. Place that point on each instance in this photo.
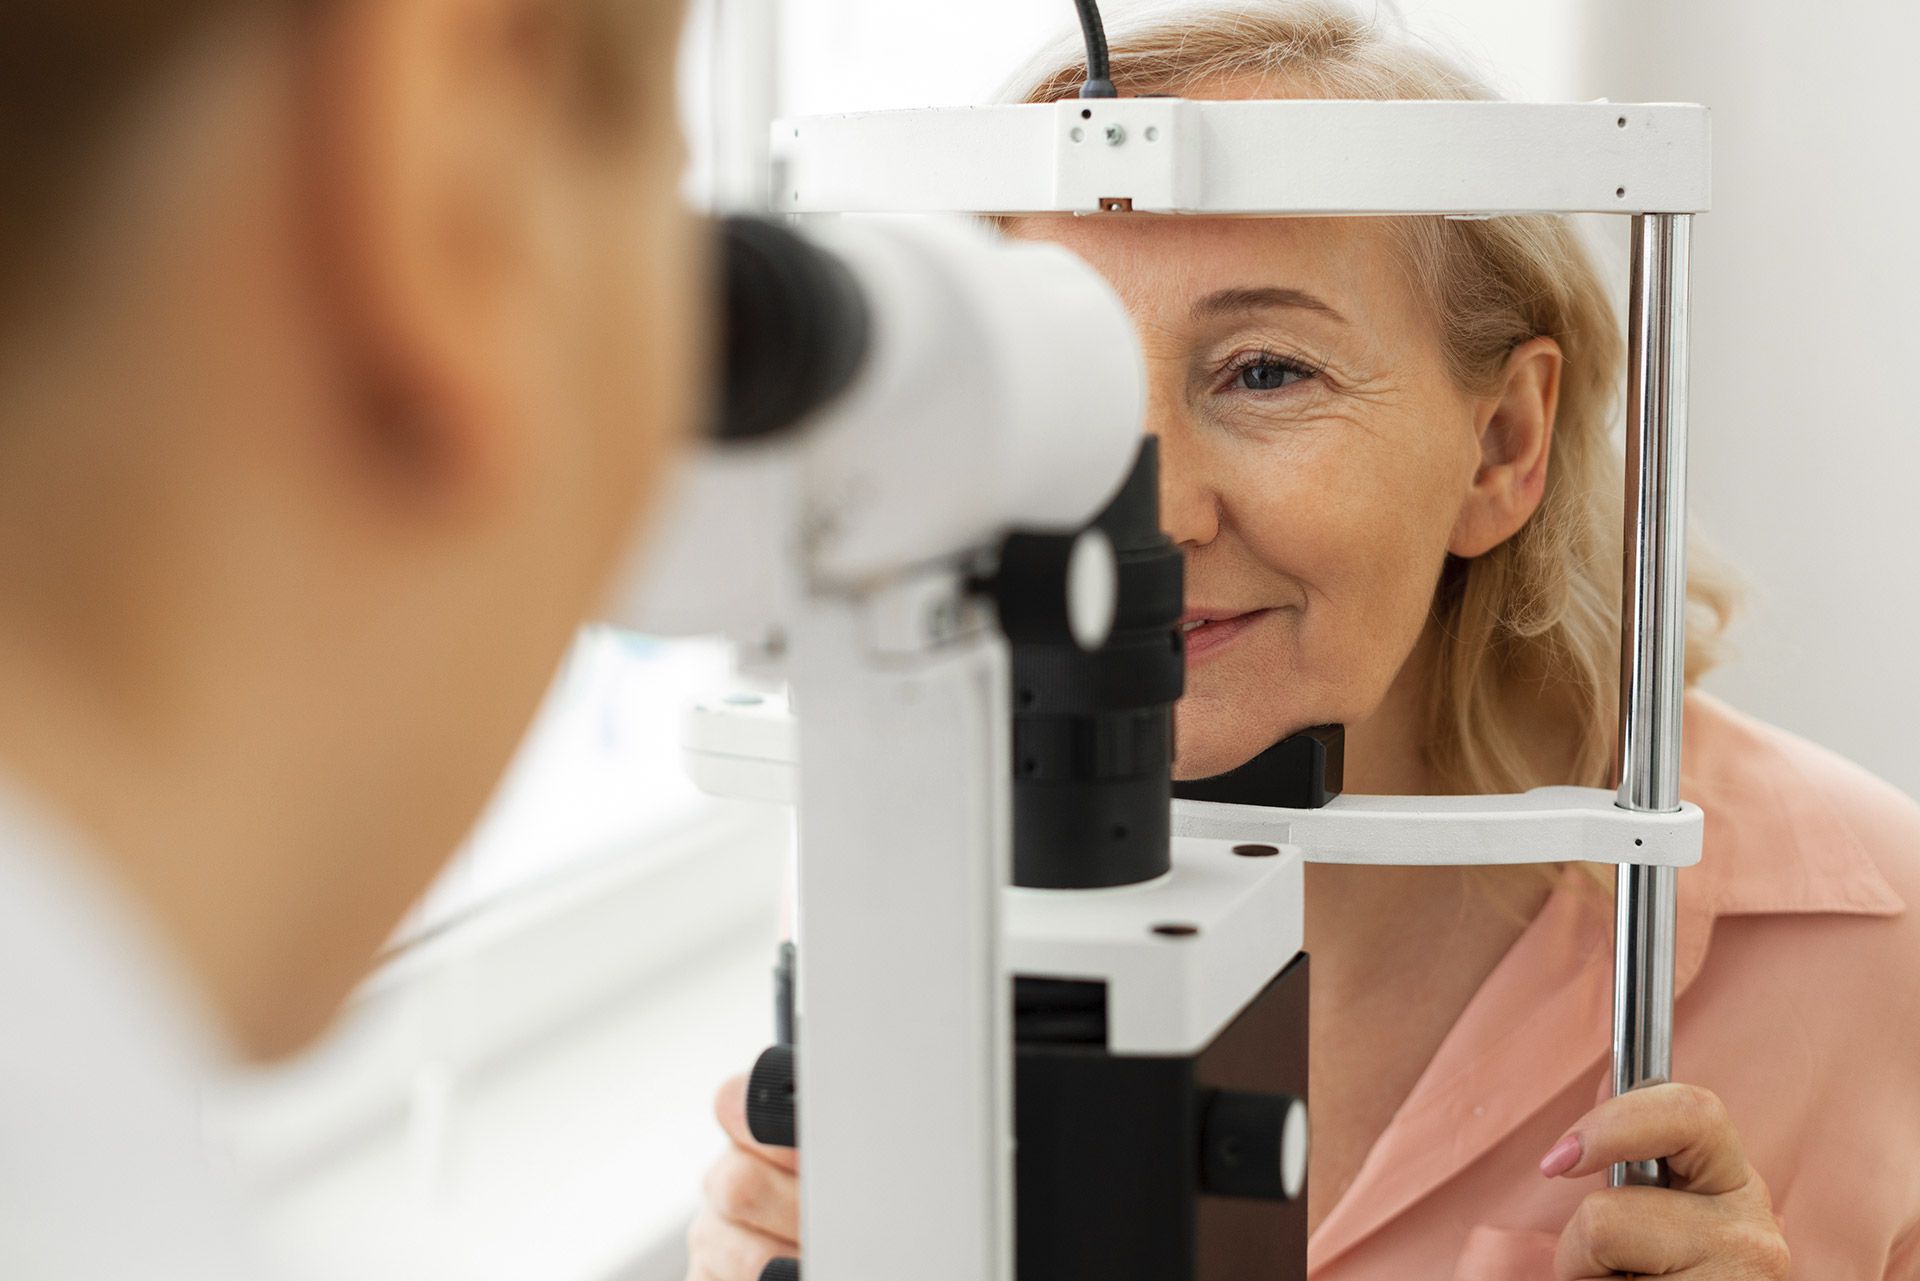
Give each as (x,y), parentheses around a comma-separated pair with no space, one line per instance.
(1563,1157)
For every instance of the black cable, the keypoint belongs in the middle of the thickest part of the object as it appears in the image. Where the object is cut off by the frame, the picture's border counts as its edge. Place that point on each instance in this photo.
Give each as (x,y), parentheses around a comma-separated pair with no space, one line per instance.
(1099,71)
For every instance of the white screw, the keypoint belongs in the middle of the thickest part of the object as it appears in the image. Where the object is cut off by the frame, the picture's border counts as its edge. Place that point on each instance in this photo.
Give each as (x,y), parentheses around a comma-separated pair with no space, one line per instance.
(1115,135)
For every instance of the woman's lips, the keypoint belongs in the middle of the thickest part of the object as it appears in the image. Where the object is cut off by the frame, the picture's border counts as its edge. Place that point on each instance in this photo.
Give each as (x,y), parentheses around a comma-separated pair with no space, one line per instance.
(1215,634)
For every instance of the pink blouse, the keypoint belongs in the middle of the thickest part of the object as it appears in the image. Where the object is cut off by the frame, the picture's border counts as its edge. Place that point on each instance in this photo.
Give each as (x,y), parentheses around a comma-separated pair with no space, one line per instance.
(1798,981)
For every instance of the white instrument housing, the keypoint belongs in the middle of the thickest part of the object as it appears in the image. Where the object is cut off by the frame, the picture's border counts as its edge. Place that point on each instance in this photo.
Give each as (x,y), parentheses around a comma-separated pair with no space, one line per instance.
(1002,391)
(1175,953)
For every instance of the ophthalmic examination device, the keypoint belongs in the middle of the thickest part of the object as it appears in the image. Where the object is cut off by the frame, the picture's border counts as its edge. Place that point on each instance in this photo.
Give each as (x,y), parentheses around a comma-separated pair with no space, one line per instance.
(1049,1012)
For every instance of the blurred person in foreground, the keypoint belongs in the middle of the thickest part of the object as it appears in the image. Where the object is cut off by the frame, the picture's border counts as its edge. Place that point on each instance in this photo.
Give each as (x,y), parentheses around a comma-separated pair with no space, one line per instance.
(343,344)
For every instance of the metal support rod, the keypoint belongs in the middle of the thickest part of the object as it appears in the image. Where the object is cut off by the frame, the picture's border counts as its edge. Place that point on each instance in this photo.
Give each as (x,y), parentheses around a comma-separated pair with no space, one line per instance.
(1653,641)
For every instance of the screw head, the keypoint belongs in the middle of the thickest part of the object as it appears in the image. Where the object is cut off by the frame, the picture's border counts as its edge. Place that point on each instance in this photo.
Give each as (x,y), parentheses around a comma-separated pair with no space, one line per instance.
(1115,135)
(943,619)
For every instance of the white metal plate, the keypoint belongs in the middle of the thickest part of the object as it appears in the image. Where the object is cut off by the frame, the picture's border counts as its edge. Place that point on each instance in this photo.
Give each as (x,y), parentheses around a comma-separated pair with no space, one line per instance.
(1283,157)
(1168,993)
(1545,825)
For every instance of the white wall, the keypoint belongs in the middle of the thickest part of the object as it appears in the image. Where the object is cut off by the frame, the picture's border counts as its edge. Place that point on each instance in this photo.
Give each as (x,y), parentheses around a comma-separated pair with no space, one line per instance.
(1806,437)
(850,55)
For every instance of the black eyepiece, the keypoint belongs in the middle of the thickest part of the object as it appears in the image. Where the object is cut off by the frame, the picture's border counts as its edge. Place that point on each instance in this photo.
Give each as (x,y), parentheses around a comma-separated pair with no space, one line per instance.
(794,329)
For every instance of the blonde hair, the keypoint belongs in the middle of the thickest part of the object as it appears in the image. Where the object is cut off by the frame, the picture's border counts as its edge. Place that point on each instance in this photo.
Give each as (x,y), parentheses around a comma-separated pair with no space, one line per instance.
(1539,615)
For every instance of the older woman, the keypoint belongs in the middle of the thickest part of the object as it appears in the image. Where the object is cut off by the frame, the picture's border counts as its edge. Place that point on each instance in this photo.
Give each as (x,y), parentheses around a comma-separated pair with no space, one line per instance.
(1386,452)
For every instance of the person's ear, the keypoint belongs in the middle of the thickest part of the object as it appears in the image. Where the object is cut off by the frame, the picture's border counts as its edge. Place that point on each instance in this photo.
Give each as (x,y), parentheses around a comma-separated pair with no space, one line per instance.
(1515,427)
(434,126)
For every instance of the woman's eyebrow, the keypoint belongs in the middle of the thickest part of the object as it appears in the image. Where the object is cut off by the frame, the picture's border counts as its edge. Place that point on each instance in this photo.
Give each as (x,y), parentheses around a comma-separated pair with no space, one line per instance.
(1227,301)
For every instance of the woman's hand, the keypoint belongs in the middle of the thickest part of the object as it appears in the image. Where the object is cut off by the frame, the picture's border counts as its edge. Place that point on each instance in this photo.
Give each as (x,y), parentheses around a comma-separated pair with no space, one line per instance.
(1715,1223)
(752,1214)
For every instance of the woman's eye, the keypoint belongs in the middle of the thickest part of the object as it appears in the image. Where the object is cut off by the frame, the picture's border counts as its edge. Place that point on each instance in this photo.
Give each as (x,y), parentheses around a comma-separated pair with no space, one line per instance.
(1271,375)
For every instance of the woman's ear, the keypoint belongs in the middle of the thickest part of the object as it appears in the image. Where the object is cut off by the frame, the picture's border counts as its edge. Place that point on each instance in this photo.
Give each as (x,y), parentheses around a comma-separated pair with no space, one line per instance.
(433,132)
(1516,436)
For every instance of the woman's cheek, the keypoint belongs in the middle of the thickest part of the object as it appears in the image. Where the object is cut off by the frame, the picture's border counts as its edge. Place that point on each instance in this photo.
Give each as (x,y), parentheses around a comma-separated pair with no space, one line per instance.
(1368,558)
(1354,635)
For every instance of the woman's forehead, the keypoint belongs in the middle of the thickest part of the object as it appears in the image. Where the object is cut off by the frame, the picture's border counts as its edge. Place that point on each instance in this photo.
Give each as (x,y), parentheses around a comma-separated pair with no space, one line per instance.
(1349,263)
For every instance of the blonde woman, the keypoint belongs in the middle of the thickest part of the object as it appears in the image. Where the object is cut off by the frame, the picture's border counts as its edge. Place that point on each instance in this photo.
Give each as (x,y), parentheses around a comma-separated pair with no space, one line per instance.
(1387,456)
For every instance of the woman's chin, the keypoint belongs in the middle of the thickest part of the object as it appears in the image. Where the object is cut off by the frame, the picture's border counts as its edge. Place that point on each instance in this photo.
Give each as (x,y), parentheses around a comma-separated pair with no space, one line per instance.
(1207,759)
(1210,738)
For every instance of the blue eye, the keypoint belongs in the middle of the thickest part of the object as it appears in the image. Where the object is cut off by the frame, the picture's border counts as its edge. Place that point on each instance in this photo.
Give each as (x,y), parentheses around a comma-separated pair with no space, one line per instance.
(1266,372)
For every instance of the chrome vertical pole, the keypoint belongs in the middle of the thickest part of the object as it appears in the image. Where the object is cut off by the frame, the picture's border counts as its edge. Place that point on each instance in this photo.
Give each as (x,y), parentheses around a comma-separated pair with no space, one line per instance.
(1652,651)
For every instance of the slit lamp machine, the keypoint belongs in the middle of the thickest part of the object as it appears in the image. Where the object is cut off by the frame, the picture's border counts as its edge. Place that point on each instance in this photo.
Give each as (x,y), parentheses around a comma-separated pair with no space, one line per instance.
(1048,1017)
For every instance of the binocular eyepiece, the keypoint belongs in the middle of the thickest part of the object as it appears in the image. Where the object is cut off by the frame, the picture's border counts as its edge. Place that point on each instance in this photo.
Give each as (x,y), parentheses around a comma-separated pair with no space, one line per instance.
(795,330)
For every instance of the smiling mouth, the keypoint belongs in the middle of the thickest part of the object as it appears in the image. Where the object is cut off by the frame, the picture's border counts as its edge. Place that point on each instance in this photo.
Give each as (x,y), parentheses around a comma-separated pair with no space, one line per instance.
(1206,633)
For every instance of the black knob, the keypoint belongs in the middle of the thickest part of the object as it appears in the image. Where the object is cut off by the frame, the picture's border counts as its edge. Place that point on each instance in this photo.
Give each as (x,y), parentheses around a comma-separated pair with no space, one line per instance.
(781,1270)
(1254,1145)
(770,1099)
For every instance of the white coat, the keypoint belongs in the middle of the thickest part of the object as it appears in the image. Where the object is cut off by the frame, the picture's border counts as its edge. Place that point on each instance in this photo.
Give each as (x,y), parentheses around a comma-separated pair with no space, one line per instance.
(104,1050)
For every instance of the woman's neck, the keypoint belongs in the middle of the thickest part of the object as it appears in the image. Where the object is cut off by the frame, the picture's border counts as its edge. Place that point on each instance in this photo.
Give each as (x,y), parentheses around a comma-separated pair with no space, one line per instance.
(1386,754)
(1368,927)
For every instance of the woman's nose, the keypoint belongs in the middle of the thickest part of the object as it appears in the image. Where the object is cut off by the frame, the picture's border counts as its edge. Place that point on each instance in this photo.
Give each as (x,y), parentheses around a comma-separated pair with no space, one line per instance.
(1189,501)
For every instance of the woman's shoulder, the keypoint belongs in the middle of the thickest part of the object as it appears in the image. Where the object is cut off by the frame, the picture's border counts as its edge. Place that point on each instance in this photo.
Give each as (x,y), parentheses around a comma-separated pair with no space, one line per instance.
(1805,1017)
(1794,826)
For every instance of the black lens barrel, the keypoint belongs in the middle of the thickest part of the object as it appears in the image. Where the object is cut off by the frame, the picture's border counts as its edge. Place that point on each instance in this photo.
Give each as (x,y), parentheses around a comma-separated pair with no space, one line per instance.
(1093,731)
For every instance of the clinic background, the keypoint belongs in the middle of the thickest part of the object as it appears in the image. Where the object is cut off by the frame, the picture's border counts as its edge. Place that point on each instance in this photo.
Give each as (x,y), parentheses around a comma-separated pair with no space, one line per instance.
(522,1091)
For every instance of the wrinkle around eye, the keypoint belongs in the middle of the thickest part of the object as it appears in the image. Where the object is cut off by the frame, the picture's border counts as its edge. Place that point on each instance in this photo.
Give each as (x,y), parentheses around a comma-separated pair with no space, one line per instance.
(1326,380)
(1306,409)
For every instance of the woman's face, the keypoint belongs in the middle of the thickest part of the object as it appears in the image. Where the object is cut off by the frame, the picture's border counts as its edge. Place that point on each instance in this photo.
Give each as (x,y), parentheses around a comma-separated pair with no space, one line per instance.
(1315,459)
